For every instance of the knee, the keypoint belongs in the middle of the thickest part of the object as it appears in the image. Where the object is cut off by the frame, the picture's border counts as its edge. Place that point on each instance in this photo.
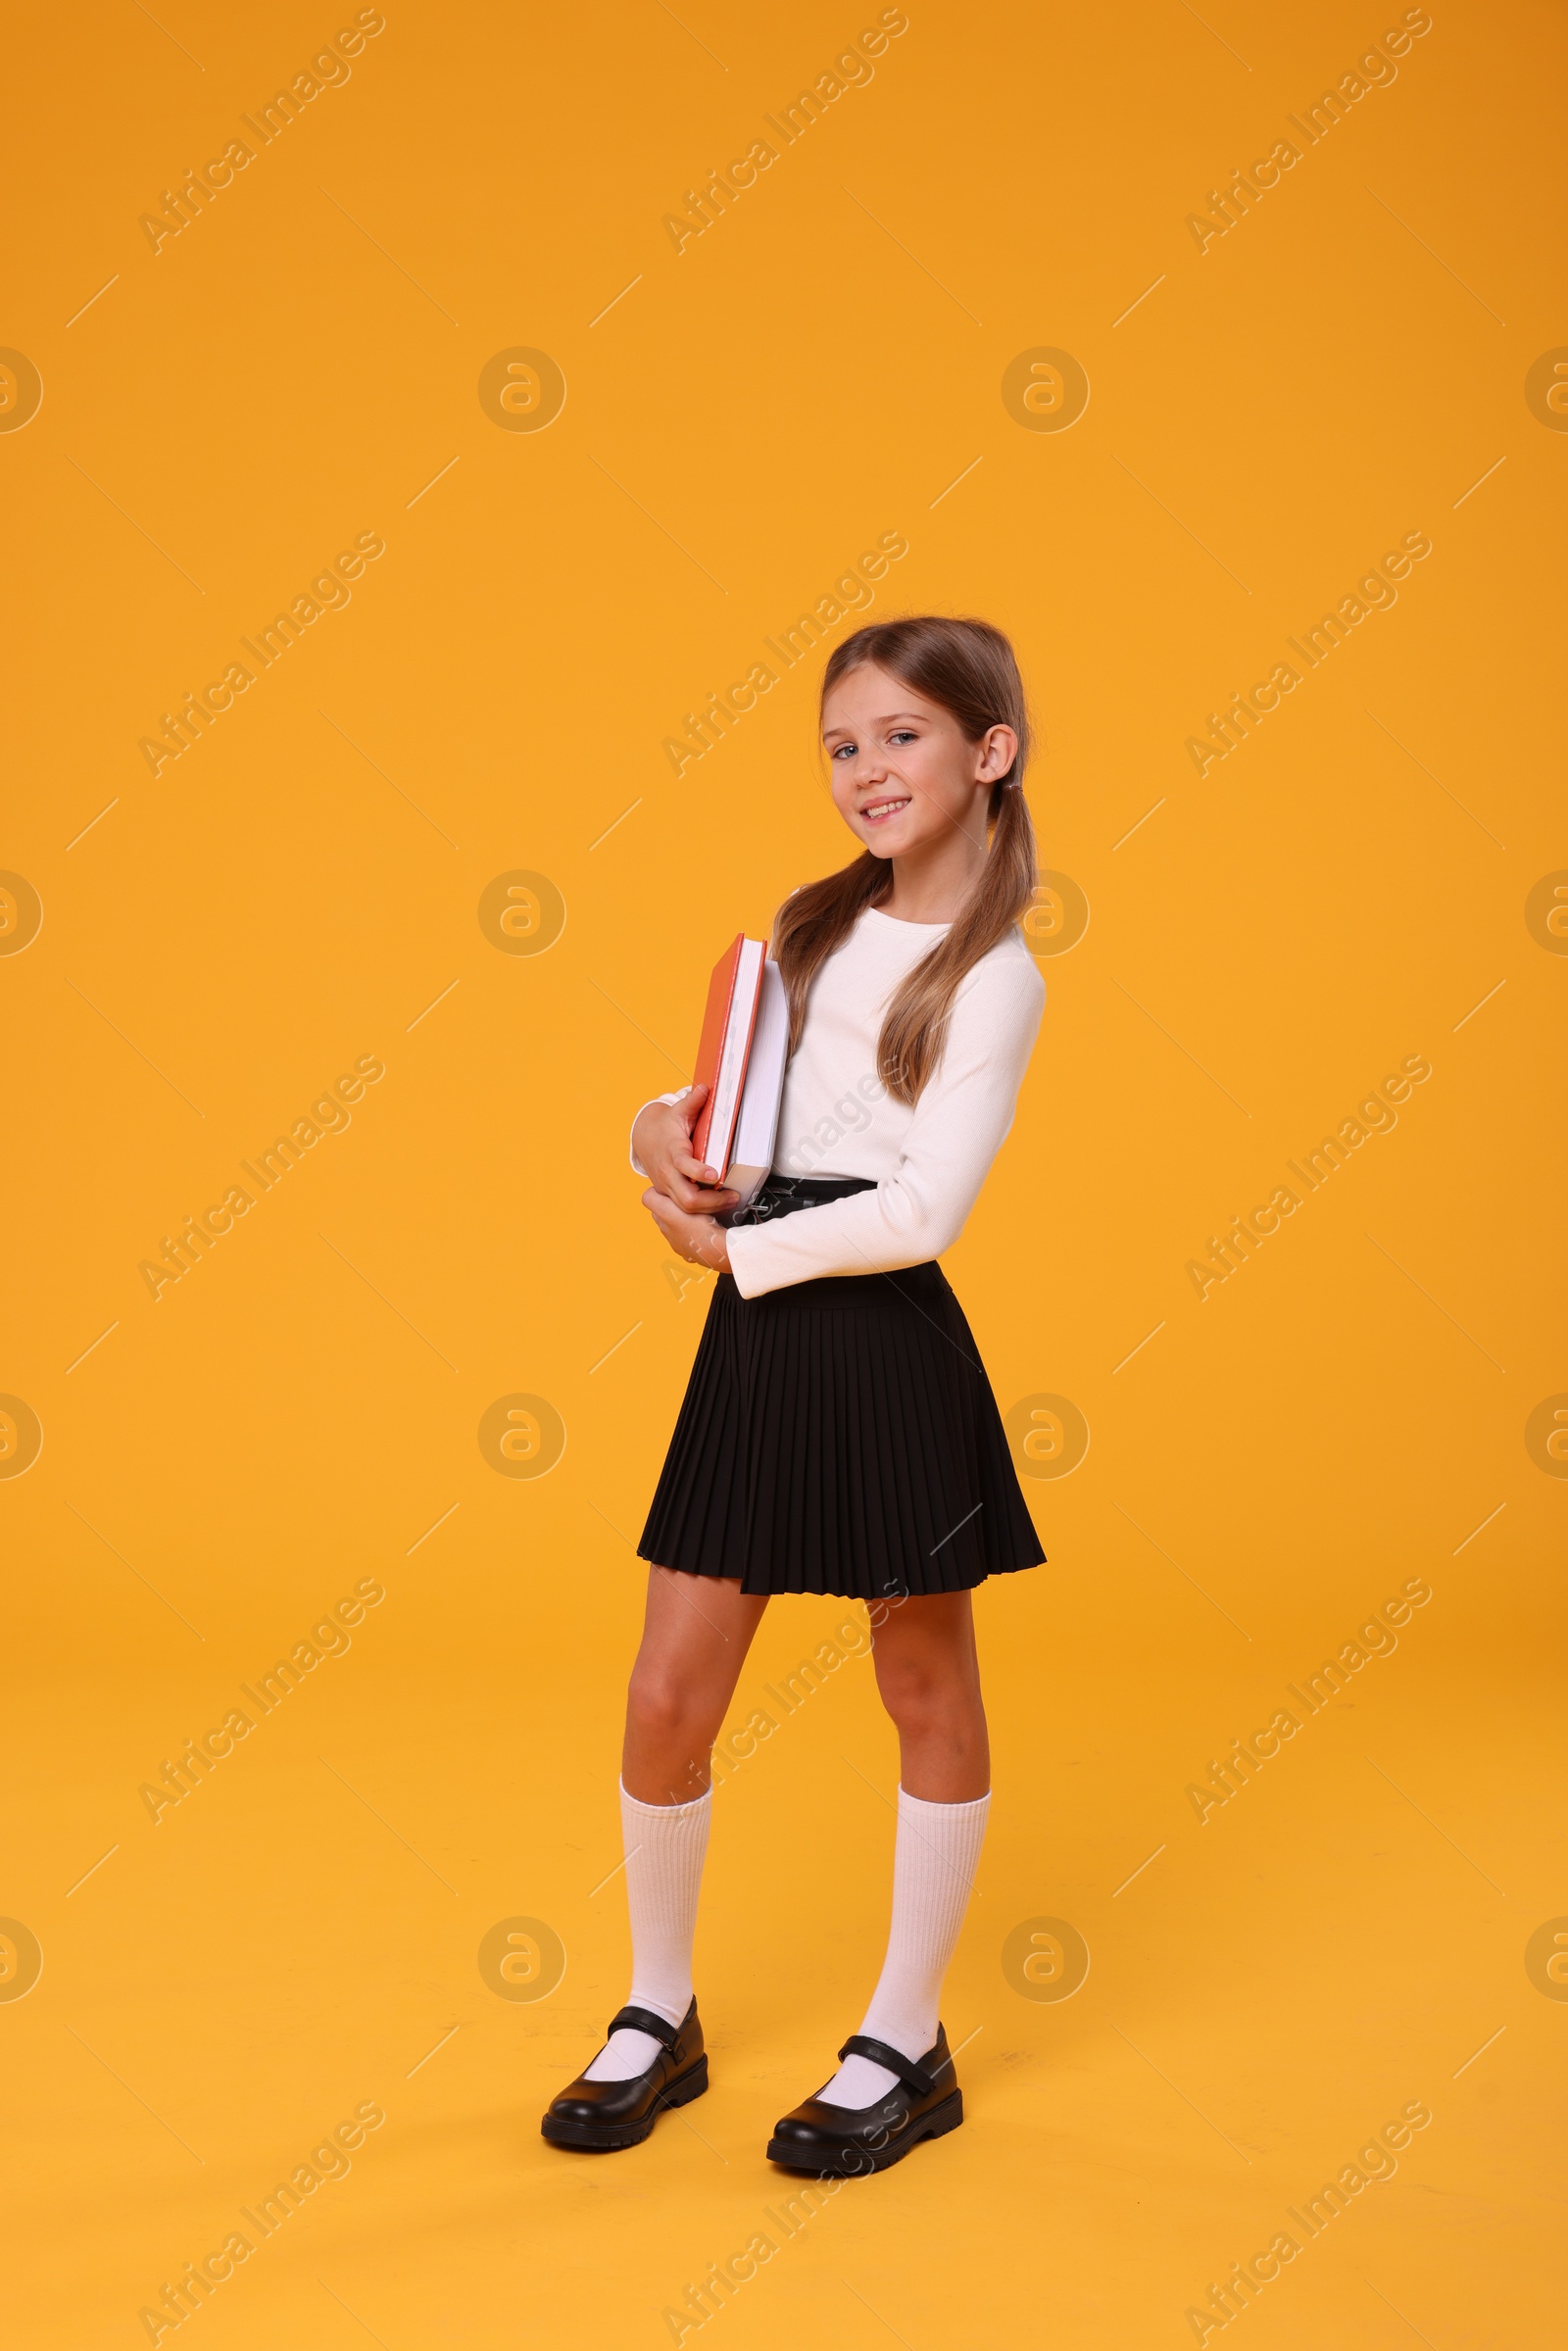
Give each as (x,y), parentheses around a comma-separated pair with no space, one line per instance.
(915,1698)
(659,1708)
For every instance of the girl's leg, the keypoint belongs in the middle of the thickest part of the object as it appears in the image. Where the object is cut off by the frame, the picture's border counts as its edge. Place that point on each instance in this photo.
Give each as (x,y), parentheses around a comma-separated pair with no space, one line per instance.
(929,1678)
(928,1674)
(695,1634)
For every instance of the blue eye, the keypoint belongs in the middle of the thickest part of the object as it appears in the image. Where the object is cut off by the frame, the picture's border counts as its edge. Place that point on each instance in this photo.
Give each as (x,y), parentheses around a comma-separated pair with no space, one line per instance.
(844,751)
(905,734)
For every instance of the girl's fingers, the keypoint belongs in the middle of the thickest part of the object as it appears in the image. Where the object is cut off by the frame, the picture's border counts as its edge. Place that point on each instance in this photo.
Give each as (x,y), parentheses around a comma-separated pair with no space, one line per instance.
(696,1171)
(703,1200)
(673,1213)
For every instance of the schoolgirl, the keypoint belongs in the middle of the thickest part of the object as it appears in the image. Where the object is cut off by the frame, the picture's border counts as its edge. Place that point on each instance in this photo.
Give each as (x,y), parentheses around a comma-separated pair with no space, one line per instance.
(839,1433)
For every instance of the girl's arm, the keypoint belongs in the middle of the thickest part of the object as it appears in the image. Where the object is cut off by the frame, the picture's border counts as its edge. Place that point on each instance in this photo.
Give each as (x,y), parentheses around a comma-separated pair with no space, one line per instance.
(672,1100)
(959,1124)
(661,1150)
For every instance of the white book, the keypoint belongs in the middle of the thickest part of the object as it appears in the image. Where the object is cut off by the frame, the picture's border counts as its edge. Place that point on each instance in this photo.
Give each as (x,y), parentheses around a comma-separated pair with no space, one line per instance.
(757,1127)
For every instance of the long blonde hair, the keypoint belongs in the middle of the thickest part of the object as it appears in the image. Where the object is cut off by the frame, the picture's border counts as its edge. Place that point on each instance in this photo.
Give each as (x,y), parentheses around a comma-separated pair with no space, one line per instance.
(967,667)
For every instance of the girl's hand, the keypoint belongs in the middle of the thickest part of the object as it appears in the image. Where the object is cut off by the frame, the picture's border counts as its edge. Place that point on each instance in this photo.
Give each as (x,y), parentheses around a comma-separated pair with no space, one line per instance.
(663,1141)
(697,1238)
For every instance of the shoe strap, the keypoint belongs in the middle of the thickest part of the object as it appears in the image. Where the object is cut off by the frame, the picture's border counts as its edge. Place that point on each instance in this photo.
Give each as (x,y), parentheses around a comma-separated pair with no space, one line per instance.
(912,2076)
(646,2020)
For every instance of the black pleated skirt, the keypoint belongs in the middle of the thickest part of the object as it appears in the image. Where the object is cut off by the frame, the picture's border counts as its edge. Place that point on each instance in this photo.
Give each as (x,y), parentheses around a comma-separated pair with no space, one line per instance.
(840,1435)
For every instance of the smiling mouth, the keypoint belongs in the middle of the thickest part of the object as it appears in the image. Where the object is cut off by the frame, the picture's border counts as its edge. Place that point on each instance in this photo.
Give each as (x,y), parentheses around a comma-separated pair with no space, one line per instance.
(880,812)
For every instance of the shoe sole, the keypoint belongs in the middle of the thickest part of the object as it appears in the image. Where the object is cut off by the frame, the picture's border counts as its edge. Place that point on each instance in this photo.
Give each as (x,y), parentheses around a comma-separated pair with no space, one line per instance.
(941,2119)
(605,2138)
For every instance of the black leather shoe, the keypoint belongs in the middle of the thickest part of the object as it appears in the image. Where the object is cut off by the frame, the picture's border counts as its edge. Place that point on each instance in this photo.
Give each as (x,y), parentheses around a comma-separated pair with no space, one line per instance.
(833,2141)
(603,2115)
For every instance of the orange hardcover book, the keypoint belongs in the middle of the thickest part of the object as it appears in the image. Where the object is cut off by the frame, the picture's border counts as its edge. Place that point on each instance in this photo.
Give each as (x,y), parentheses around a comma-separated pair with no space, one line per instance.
(722,1048)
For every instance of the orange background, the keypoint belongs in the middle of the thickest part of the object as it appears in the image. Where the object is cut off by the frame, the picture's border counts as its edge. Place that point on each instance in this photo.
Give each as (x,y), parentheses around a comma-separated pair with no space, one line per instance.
(301,889)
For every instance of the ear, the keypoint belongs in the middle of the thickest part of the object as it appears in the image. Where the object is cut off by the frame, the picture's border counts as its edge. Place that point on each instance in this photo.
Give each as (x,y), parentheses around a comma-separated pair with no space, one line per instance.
(995,753)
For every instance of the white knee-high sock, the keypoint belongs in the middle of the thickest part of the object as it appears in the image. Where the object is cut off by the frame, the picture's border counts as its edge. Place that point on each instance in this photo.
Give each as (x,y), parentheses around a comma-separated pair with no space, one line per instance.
(934,1861)
(664,1848)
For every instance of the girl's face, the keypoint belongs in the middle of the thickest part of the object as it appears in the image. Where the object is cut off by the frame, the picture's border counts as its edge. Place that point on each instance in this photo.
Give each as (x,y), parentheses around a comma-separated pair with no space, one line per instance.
(903,770)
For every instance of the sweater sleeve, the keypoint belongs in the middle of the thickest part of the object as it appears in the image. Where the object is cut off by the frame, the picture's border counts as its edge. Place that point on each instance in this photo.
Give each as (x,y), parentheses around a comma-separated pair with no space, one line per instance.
(637,1166)
(959,1124)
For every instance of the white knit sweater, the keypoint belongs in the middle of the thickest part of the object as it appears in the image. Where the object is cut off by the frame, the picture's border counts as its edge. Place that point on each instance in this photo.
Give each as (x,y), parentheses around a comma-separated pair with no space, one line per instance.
(838,1119)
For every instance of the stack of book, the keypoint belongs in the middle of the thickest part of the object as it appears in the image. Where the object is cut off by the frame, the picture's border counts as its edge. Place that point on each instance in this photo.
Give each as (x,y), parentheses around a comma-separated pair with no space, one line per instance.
(741,1058)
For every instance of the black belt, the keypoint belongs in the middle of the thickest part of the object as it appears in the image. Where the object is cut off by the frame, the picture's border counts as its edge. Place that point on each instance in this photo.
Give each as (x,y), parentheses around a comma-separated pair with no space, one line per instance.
(781,1195)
